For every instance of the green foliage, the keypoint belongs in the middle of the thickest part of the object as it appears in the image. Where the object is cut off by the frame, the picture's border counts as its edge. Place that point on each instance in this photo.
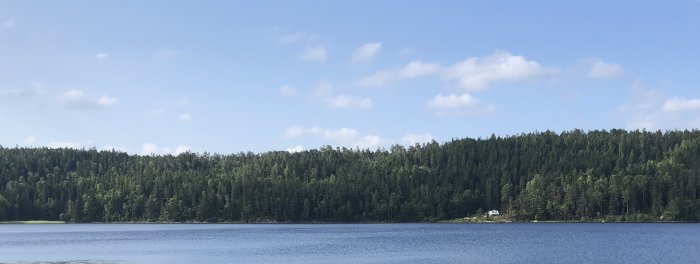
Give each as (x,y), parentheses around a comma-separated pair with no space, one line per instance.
(613,175)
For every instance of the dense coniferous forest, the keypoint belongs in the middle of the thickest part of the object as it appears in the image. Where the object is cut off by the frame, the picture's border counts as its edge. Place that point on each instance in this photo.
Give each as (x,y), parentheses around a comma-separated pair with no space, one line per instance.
(615,175)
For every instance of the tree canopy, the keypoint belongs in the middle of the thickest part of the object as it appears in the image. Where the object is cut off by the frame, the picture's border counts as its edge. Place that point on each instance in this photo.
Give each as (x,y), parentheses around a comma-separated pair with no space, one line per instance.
(573,175)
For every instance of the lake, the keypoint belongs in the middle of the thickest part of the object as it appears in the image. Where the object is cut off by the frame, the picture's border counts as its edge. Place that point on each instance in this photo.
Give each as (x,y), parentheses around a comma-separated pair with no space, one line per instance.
(350,243)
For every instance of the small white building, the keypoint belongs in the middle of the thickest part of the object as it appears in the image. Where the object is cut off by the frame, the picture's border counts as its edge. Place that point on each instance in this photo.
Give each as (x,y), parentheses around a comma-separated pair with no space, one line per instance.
(494,213)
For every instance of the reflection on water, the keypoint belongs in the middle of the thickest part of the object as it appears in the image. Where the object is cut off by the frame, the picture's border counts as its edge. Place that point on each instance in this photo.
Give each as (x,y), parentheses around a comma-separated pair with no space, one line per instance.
(80,261)
(351,243)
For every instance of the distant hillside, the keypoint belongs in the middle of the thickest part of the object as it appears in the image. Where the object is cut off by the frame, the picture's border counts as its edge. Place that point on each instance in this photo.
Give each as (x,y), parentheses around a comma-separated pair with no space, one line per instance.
(575,175)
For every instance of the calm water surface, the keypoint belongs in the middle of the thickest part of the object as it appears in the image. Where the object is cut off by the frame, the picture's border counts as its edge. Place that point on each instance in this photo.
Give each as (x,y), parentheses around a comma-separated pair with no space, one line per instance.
(351,243)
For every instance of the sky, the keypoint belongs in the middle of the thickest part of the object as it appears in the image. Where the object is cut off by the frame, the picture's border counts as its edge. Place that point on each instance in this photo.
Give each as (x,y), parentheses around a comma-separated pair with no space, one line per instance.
(165,77)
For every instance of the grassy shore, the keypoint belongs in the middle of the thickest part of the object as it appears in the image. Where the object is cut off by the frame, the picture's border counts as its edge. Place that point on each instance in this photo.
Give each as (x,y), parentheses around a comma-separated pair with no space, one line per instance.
(33,222)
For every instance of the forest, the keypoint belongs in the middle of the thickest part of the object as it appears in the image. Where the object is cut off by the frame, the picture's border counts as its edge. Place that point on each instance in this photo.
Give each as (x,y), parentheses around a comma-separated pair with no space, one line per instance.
(614,175)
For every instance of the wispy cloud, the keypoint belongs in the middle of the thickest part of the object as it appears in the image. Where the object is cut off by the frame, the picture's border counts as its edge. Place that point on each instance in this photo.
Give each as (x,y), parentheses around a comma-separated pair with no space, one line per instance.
(314,50)
(185,117)
(18,93)
(101,56)
(9,24)
(301,36)
(679,104)
(182,102)
(366,52)
(411,70)
(379,78)
(407,51)
(650,109)
(36,89)
(419,68)
(156,113)
(325,91)
(348,101)
(598,69)
(106,100)
(316,53)
(167,54)
(77,99)
(288,90)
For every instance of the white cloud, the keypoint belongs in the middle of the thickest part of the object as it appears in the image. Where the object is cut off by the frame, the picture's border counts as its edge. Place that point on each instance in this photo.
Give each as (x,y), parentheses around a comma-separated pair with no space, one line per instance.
(106,100)
(77,99)
(185,117)
(181,149)
(348,101)
(153,149)
(315,53)
(600,69)
(324,91)
(366,52)
(458,104)
(288,90)
(72,145)
(412,139)
(453,101)
(101,56)
(370,142)
(649,109)
(9,24)
(343,136)
(167,54)
(149,149)
(478,73)
(643,110)
(475,73)
(297,148)
(73,94)
(678,104)
(419,68)
(30,140)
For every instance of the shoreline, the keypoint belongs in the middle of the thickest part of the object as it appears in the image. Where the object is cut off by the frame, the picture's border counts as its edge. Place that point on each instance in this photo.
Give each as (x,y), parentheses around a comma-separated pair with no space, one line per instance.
(452,221)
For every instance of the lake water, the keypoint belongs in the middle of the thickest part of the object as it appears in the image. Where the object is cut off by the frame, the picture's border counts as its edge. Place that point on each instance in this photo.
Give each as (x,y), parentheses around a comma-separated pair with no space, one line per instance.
(350,243)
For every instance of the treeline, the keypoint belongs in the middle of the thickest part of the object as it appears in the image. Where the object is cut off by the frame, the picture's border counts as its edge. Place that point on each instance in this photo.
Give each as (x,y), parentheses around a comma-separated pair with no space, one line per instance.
(574,175)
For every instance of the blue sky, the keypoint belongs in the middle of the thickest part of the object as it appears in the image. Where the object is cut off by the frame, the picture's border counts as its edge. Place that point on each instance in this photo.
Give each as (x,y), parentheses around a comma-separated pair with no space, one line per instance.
(163,77)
